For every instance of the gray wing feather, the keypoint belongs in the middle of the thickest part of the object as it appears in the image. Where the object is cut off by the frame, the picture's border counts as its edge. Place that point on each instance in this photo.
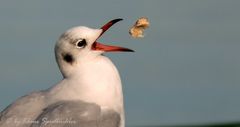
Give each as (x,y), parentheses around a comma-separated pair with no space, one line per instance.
(22,111)
(32,111)
(109,118)
(76,114)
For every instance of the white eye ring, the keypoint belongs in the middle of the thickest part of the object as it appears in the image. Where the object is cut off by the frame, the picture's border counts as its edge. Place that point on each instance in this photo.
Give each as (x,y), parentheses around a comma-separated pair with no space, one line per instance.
(81,43)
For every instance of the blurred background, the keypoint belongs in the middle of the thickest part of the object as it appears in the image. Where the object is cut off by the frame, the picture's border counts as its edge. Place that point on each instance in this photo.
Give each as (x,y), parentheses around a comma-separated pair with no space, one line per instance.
(185,71)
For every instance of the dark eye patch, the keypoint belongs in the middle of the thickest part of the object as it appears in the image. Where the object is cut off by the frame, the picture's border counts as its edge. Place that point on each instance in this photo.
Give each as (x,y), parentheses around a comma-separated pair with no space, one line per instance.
(68,58)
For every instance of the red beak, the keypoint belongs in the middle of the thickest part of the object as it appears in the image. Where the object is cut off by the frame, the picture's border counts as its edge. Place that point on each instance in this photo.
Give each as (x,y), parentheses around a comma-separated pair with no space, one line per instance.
(109,48)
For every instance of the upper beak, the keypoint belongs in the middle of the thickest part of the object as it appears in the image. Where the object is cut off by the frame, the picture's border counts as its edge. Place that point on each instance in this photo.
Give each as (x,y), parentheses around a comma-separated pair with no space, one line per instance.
(108,48)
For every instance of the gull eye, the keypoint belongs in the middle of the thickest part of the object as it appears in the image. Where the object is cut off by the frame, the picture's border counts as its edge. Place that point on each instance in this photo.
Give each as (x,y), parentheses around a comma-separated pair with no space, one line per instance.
(81,43)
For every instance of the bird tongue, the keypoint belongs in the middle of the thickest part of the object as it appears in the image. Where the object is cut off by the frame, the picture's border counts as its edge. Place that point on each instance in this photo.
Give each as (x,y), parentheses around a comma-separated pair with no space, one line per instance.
(109,48)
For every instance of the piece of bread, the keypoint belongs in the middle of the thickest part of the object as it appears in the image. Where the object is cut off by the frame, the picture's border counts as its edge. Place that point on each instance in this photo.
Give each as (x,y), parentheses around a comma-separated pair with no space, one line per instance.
(138,28)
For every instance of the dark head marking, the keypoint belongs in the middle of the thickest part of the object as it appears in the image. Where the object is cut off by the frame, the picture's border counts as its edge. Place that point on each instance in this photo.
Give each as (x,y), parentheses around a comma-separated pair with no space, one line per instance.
(68,58)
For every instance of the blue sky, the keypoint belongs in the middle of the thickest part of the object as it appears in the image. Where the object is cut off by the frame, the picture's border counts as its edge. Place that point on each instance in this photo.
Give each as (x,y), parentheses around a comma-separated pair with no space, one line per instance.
(185,70)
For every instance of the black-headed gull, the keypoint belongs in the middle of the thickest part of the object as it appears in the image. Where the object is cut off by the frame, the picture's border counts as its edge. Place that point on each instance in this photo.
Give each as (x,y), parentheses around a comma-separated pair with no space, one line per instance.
(90,94)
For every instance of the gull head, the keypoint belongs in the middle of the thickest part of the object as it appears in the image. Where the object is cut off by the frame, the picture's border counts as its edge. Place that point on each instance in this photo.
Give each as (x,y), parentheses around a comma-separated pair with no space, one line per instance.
(79,45)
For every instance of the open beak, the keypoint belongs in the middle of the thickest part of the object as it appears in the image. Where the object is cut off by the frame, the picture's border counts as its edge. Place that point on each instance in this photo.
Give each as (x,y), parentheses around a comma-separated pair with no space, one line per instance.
(108,48)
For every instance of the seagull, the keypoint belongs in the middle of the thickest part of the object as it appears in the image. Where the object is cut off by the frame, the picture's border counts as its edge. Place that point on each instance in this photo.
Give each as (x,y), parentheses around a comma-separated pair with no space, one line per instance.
(90,93)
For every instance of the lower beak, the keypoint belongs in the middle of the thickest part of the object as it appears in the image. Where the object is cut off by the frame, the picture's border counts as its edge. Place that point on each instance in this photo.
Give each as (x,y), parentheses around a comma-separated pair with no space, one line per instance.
(109,48)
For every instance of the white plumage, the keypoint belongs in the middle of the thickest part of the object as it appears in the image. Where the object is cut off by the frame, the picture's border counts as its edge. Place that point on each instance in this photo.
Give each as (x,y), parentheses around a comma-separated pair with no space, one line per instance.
(89,94)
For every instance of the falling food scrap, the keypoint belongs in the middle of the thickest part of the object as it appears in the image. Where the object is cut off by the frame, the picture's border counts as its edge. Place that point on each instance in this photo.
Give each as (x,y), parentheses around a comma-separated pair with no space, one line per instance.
(137,29)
